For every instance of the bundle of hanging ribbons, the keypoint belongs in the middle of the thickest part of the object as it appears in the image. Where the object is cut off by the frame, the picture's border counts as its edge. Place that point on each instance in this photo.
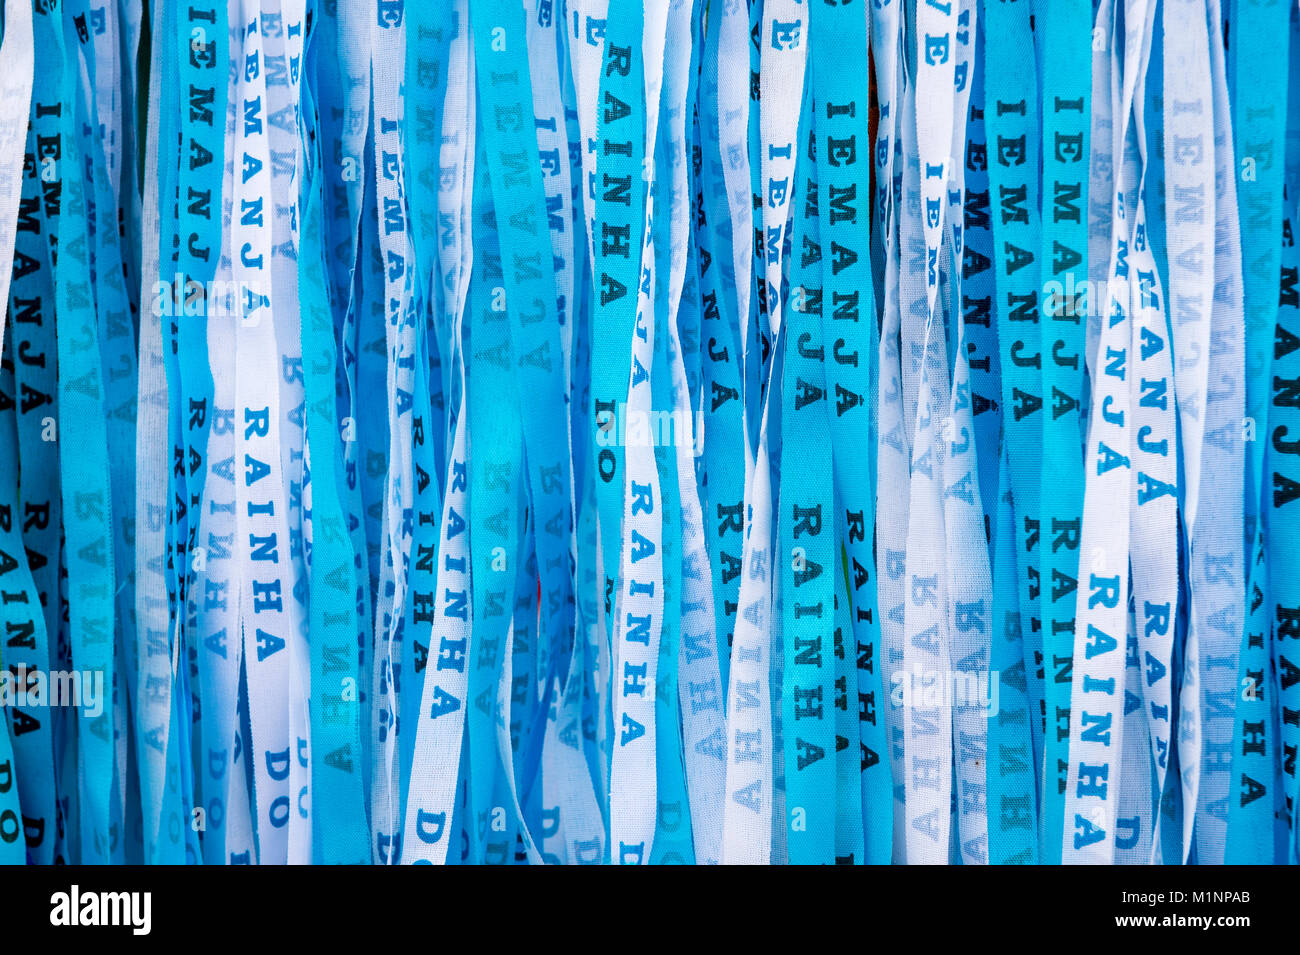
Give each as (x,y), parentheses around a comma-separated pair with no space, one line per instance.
(649,431)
